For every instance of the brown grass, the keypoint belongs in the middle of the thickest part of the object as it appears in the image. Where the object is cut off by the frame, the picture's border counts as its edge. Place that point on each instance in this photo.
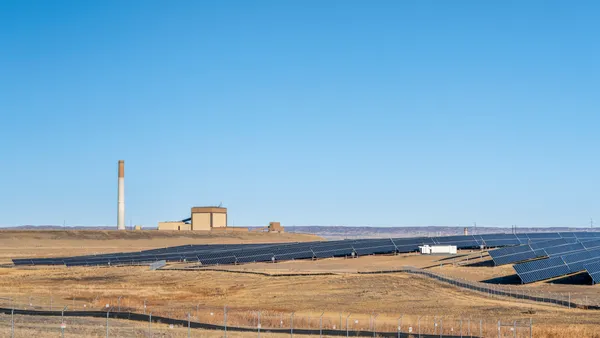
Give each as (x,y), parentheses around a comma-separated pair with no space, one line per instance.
(200,293)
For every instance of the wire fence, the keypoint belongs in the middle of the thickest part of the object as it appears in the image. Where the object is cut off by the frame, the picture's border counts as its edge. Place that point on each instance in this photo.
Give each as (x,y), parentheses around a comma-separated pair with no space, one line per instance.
(103,316)
(520,294)
(122,317)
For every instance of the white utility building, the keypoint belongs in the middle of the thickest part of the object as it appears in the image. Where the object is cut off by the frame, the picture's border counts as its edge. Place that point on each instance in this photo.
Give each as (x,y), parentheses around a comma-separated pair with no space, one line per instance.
(438,249)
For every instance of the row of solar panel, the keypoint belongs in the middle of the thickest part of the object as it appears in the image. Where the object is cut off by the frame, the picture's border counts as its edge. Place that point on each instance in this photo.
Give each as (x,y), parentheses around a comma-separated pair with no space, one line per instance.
(516,254)
(559,265)
(360,247)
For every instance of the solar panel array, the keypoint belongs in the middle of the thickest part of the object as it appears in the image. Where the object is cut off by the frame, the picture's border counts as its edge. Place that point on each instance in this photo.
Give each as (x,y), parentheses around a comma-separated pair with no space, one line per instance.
(528,246)
(544,246)
(561,258)
(593,269)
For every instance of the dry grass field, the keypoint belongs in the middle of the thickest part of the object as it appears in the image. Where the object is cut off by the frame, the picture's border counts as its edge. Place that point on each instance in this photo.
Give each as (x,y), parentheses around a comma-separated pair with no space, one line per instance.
(204,294)
(50,243)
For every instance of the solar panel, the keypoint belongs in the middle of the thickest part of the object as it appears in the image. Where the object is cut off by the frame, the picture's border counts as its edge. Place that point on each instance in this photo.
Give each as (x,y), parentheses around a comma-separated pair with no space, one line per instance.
(544,235)
(501,242)
(564,249)
(517,257)
(593,269)
(541,269)
(550,243)
(509,251)
(334,253)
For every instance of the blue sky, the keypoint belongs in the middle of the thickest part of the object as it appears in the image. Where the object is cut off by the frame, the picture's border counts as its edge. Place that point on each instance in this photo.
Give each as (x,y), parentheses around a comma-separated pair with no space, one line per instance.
(305,112)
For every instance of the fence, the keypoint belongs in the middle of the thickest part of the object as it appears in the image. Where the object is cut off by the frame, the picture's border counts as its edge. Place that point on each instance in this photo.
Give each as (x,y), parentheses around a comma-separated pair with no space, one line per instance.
(173,320)
(36,319)
(518,294)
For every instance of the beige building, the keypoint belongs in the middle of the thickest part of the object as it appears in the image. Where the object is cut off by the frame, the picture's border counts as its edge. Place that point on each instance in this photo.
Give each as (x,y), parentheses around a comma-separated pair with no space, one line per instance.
(206,218)
(202,219)
(174,226)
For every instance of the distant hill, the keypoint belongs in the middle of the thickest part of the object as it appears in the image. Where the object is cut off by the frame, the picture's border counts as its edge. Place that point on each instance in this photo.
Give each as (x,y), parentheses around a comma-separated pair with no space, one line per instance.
(342,232)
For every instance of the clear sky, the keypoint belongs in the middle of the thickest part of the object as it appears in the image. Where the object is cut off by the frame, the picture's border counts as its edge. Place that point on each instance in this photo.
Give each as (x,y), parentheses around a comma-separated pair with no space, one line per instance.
(305,112)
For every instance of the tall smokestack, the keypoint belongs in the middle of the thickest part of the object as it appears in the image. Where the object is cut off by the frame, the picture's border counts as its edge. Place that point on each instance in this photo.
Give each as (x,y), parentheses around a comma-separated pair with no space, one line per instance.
(121,197)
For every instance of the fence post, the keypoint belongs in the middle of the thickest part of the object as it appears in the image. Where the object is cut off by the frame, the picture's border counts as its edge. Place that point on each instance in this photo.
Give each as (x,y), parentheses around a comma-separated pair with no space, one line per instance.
(530,327)
(12,323)
(225,320)
(321,325)
(399,325)
(258,325)
(189,332)
(292,326)
(374,330)
(441,327)
(347,332)
(50,302)
(515,329)
(419,326)
(62,321)
(480,330)
(150,325)
(461,330)
(498,329)
(107,313)
(469,321)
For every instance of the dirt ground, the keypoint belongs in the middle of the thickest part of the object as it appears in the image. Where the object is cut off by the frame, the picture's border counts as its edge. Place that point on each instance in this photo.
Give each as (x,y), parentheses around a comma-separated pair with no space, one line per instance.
(205,294)
(52,243)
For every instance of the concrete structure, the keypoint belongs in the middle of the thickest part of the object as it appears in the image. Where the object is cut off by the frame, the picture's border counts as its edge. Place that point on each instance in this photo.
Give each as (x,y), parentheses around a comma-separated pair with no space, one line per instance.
(438,249)
(466,231)
(207,218)
(121,197)
(202,219)
(174,226)
(275,227)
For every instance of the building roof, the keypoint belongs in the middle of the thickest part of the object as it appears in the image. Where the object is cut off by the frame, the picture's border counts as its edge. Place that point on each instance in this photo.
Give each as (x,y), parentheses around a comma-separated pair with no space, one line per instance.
(218,210)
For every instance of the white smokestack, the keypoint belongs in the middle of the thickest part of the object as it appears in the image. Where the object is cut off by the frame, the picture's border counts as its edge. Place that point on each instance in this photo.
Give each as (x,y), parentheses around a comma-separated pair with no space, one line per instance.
(121,197)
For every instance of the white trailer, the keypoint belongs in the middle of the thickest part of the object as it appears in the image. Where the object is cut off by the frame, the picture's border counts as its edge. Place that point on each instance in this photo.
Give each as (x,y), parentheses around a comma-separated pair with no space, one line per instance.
(438,249)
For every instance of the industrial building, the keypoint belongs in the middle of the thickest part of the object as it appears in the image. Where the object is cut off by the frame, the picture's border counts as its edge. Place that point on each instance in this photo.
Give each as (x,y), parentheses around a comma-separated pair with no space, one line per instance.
(201,219)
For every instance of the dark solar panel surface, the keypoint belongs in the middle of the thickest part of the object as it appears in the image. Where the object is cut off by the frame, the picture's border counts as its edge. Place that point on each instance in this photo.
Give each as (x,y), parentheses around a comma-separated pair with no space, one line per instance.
(593,269)
(209,254)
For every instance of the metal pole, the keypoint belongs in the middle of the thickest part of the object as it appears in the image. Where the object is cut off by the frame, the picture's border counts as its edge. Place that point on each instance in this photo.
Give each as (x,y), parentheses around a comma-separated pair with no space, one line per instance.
(498,329)
(441,327)
(144,306)
(258,324)
(321,325)
(189,333)
(225,320)
(399,325)
(119,303)
(107,312)
(12,323)
(530,327)
(50,302)
(150,325)
(515,329)
(197,313)
(480,331)
(62,321)
(347,330)
(374,321)
(461,333)
(419,326)
(292,326)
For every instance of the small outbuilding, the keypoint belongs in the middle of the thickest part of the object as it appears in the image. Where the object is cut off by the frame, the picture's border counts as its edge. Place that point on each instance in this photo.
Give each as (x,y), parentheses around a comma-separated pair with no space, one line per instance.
(438,249)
